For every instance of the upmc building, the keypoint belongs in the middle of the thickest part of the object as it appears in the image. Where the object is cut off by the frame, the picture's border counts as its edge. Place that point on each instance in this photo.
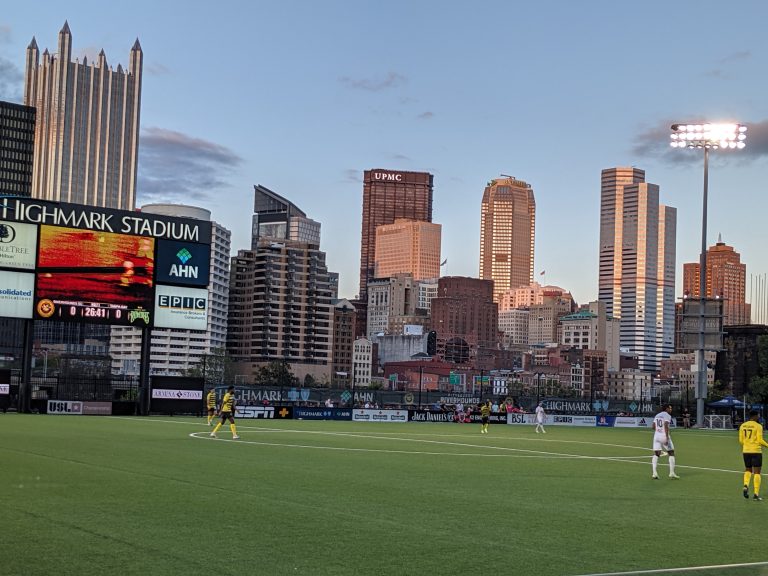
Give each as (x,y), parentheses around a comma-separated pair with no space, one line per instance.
(71,262)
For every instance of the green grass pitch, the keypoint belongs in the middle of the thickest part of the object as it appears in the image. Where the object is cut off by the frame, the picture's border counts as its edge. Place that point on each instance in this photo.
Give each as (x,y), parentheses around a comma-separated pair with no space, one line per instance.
(141,496)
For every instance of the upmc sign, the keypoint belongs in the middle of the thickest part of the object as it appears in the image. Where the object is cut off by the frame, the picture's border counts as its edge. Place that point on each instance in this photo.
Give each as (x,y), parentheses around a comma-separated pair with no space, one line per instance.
(388,176)
(183,263)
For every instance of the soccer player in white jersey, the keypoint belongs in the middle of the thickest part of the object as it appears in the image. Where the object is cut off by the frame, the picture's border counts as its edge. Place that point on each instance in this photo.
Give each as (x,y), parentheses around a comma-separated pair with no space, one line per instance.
(662,441)
(540,417)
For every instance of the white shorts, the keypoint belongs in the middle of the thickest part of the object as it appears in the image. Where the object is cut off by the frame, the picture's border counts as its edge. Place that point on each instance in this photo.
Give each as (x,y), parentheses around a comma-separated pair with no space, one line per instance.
(660,443)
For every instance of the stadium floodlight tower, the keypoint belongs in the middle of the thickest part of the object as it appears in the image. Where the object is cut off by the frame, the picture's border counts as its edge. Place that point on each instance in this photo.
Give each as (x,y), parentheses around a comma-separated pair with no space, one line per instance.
(707,137)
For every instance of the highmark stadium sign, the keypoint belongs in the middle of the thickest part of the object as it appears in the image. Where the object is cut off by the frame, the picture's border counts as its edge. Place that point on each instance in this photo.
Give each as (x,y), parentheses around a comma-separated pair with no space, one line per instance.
(33,211)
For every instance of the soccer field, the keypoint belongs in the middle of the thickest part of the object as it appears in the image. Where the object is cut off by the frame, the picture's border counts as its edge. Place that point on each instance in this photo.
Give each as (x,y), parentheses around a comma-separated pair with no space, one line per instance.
(110,495)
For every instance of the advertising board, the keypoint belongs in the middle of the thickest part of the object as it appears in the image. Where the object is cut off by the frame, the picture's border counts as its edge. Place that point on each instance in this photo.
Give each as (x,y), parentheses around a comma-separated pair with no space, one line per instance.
(65,407)
(18,245)
(5,389)
(184,263)
(94,276)
(16,294)
(184,308)
(380,415)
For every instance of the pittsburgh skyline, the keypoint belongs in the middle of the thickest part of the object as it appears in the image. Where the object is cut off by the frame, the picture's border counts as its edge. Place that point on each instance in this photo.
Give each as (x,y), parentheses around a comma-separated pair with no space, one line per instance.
(561,95)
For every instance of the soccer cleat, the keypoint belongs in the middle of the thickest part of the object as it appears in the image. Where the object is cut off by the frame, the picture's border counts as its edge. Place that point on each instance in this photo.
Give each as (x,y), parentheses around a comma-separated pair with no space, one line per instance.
(745,492)
(674,476)
(213,434)
(655,476)
(757,498)
(664,453)
(235,437)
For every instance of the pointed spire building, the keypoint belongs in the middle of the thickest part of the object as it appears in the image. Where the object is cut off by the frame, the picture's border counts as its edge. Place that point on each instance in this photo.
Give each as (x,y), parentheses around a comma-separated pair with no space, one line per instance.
(87,132)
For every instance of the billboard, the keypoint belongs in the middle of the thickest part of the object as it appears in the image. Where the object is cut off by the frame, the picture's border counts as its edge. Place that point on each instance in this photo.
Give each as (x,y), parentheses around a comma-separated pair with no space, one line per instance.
(16,290)
(184,308)
(94,276)
(183,263)
(18,245)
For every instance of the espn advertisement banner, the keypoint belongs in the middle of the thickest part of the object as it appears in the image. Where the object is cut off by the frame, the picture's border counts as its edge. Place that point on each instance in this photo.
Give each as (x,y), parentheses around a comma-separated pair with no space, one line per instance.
(380,415)
(263,412)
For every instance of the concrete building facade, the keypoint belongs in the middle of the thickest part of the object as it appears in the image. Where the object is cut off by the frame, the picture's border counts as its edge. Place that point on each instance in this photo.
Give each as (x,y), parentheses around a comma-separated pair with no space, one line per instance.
(173,351)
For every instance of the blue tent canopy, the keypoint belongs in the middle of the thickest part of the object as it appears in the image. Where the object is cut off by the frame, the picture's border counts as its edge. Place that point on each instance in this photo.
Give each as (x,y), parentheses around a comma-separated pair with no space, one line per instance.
(727,402)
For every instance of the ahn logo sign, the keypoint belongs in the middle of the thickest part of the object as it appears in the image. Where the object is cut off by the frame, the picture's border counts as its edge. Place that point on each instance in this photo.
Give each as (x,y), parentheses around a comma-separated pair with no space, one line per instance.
(183,263)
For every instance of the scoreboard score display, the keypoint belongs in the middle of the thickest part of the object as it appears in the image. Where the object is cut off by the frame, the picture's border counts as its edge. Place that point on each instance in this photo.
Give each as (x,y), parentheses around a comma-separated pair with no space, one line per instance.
(94,276)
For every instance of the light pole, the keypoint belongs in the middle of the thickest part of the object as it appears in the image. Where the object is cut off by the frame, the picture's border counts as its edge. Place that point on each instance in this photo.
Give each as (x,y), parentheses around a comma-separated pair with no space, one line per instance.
(45,362)
(706,137)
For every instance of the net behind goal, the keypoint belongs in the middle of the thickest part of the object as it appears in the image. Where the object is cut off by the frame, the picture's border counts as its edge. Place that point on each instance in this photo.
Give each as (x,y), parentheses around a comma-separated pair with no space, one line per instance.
(717,421)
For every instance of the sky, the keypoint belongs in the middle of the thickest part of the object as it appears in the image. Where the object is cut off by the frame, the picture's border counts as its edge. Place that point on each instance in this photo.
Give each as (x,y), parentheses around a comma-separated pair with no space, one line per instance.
(302,96)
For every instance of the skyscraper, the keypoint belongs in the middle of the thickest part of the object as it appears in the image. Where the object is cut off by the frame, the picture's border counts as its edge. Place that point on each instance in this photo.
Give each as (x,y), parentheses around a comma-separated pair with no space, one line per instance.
(280,305)
(637,263)
(276,218)
(17,142)
(387,196)
(87,131)
(408,247)
(507,234)
(726,278)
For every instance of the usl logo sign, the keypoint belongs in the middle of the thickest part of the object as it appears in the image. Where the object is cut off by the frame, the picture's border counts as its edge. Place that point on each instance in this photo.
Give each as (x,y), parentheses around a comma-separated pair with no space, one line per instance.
(183,263)
(64,407)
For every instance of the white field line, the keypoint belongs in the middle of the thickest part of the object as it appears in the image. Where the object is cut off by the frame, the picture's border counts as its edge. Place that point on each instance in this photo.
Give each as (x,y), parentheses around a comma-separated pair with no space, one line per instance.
(681,570)
(538,453)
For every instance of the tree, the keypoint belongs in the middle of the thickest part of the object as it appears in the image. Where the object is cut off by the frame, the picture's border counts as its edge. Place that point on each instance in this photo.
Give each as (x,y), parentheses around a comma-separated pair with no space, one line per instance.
(758,385)
(214,368)
(309,381)
(276,373)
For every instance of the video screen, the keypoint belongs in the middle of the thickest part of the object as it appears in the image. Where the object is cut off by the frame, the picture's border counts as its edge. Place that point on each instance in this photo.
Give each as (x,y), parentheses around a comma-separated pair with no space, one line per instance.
(93,276)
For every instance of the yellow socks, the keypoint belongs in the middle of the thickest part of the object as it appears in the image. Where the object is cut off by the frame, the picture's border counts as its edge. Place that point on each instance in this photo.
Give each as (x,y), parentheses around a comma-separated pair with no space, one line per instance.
(217,428)
(756,481)
(747,476)
(232,427)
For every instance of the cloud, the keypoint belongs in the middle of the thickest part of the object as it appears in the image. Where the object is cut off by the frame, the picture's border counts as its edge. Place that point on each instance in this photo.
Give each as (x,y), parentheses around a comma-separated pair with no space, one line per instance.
(653,142)
(11,77)
(175,167)
(392,80)
(425,115)
(736,56)
(157,69)
(401,157)
(730,59)
(11,81)
(352,175)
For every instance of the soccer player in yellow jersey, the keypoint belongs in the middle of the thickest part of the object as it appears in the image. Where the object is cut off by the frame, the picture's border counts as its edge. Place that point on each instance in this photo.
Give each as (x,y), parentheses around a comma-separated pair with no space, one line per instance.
(751,440)
(485,413)
(210,402)
(228,413)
